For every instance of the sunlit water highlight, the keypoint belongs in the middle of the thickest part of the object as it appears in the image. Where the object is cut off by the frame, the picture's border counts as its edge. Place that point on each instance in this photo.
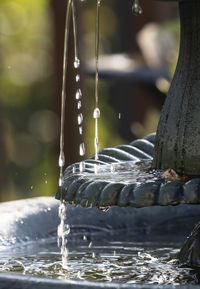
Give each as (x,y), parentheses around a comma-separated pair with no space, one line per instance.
(117,262)
(124,172)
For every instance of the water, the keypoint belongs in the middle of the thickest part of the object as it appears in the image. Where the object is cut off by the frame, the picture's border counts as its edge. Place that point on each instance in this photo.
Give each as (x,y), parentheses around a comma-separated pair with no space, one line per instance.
(80,130)
(123,262)
(124,172)
(63,231)
(136,8)
(96,113)
(82,149)
(78,94)
(76,63)
(71,9)
(79,104)
(63,94)
(78,78)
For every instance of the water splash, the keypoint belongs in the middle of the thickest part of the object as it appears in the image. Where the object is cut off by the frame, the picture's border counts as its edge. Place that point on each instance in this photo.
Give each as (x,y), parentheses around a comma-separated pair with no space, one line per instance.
(129,263)
(136,8)
(124,172)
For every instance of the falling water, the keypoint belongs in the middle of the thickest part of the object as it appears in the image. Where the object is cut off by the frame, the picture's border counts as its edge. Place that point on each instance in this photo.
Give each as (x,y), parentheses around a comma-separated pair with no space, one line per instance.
(78,94)
(63,231)
(79,104)
(78,78)
(96,113)
(61,161)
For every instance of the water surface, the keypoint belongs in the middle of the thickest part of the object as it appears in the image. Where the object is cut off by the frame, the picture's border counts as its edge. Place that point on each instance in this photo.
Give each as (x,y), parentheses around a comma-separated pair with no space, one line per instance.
(124,262)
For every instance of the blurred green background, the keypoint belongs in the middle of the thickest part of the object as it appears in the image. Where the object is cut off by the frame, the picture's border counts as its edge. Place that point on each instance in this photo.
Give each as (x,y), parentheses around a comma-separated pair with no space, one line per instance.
(31,48)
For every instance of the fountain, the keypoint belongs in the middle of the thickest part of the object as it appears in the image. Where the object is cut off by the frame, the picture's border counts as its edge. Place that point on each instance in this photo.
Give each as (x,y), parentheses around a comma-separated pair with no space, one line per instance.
(132,175)
(129,180)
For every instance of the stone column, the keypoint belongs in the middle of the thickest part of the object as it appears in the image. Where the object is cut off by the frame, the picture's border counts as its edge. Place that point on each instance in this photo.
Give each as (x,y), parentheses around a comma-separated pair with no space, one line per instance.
(178,135)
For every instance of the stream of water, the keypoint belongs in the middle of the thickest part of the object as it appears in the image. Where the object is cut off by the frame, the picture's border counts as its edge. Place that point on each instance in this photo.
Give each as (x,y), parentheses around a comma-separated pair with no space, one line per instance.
(96,113)
(71,10)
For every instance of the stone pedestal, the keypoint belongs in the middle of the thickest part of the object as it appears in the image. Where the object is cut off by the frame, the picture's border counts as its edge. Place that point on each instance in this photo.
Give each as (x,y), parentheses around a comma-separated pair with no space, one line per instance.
(177,143)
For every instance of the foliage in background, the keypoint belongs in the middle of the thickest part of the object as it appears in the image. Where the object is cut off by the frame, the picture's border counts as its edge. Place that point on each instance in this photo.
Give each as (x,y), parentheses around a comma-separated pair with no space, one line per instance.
(30,127)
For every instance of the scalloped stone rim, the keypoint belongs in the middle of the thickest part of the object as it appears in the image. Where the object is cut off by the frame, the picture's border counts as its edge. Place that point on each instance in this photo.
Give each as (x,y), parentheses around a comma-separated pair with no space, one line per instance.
(78,190)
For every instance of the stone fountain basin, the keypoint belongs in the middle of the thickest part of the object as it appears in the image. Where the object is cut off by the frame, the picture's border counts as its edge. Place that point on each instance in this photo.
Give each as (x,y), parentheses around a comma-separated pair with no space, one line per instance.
(9,281)
(27,221)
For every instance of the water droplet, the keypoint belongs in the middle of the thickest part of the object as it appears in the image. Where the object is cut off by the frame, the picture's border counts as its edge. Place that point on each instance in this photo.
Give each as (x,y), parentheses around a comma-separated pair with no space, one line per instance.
(76,62)
(80,119)
(61,161)
(46,182)
(120,115)
(80,129)
(90,245)
(79,104)
(96,113)
(78,77)
(78,94)
(136,8)
(93,255)
(67,229)
(82,149)
(85,238)
(31,187)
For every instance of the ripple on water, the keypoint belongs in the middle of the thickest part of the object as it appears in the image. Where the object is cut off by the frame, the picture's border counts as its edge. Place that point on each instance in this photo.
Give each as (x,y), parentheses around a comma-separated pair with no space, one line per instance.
(125,263)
